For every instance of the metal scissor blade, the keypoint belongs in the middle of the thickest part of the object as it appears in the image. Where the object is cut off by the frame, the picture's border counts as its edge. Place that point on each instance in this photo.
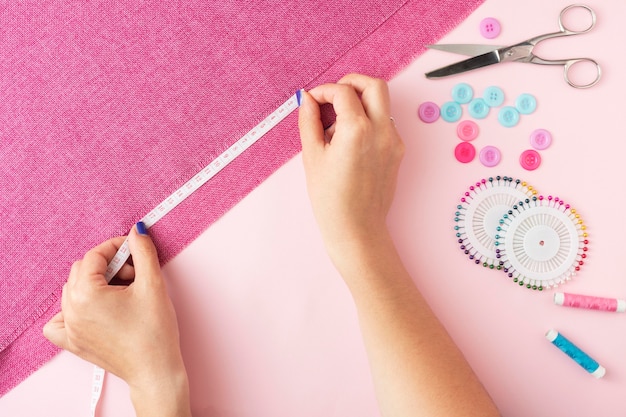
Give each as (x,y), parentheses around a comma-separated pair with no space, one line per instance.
(479,61)
(464,48)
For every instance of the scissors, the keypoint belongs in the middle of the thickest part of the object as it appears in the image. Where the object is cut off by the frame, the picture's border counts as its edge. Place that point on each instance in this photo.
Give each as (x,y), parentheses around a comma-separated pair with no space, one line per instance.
(485,55)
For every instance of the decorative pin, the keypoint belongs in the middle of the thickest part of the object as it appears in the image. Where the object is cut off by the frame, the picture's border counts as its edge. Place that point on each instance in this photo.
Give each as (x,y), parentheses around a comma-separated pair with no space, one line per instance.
(542,243)
(480,209)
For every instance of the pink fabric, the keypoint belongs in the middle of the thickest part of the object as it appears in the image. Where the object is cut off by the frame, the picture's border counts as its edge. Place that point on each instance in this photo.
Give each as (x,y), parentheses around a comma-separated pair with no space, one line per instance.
(107,107)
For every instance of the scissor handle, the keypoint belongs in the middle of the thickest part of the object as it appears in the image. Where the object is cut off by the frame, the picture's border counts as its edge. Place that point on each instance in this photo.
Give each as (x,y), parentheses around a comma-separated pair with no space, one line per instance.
(571,62)
(570,31)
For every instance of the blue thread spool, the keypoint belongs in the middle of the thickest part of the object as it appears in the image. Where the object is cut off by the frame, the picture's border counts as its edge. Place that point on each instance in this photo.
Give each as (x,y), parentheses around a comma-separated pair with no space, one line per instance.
(574,352)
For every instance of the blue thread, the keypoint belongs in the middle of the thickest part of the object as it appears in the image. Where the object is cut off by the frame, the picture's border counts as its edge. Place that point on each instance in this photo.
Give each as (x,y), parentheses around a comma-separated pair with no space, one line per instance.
(574,352)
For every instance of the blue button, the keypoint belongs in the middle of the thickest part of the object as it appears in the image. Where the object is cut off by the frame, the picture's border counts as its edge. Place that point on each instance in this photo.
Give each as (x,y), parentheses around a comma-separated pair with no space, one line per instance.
(451,111)
(526,103)
(462,93)
(494,96)
(478,108)
(508,116)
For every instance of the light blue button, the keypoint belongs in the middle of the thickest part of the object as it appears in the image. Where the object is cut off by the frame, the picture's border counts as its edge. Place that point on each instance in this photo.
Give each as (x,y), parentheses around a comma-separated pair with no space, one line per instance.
(451,111)
(478,108)
(508,116)
(526,103)
(494,96)
(462,93)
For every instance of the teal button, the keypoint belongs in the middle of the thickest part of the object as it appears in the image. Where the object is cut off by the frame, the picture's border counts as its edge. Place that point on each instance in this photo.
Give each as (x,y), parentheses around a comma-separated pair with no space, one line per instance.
(526,103)
(451,111)
(494,96)
(478,108)
(508,116)
(462,93)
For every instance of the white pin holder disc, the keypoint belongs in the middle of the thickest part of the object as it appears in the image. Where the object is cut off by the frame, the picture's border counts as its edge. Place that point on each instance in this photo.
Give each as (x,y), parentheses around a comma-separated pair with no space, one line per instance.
(541,243)
(478,215)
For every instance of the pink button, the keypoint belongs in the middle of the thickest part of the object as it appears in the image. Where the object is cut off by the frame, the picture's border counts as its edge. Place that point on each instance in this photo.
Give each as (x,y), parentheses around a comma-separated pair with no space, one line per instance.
(428,112)
(490,156)
(540,139)
(467,130)
(464,152)
(490,28)
(530,159)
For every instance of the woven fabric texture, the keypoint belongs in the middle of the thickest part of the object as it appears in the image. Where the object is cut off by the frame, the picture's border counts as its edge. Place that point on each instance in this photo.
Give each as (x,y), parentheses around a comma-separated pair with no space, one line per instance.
(109,106)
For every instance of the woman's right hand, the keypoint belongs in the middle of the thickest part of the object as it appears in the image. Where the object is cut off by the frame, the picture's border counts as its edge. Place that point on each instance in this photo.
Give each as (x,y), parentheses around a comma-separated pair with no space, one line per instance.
(351,168)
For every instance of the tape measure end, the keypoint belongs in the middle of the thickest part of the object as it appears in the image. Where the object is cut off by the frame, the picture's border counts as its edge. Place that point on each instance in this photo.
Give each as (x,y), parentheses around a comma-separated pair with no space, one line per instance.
(299,96)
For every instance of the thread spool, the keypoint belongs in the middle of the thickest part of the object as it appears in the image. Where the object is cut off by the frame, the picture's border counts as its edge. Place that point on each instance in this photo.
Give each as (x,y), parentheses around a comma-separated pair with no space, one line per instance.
(590,302)
(581,358)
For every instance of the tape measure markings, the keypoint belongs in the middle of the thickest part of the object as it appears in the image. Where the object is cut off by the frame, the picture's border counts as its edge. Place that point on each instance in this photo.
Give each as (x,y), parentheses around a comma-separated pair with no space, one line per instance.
(185,191)
(97,383)
(206,174)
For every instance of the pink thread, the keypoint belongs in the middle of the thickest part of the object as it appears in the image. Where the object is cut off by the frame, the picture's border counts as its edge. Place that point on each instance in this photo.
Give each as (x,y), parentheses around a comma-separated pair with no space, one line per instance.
(589,302)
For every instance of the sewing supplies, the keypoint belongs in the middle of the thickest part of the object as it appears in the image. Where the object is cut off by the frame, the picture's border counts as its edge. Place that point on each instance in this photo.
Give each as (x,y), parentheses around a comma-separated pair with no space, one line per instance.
(199,179)
(451,111)
(479,211)
(479,108)
(490,27)
(541,242)
(502,224)
(574,352)
(464,152)
(485,55)
(540,139)
(526,103)
(462,93)
(508,116)
(206,174)
(97,383)
(530,159)
(493,96)
(428,112)
(467,130)
(590,302)
(490,156)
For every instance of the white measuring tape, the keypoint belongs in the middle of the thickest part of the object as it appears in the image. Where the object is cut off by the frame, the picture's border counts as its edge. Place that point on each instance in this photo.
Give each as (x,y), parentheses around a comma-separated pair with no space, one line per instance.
(185,191)
(97,382)
(206,174)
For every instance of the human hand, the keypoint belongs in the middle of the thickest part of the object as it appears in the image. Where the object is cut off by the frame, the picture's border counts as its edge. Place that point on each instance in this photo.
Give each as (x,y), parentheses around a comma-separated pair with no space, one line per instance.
(351,168)
(131,331)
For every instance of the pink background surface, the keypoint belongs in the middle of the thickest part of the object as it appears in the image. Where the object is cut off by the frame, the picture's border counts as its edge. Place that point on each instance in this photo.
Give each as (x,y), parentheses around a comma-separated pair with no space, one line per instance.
(269,329)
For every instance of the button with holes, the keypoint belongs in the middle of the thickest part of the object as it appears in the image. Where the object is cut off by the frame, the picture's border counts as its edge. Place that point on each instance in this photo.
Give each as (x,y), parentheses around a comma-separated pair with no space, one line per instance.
(451,111)
(490,27)
(428,112)
(529,159)
(464,152)
(462,93)
(490,156)
(467,130)
(540,139)
(478,109)
(494,96)
(508,116)
(526,103)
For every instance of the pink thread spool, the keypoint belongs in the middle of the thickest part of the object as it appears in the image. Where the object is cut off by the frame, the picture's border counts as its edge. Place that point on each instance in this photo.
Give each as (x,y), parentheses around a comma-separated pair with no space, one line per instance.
(590,302)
